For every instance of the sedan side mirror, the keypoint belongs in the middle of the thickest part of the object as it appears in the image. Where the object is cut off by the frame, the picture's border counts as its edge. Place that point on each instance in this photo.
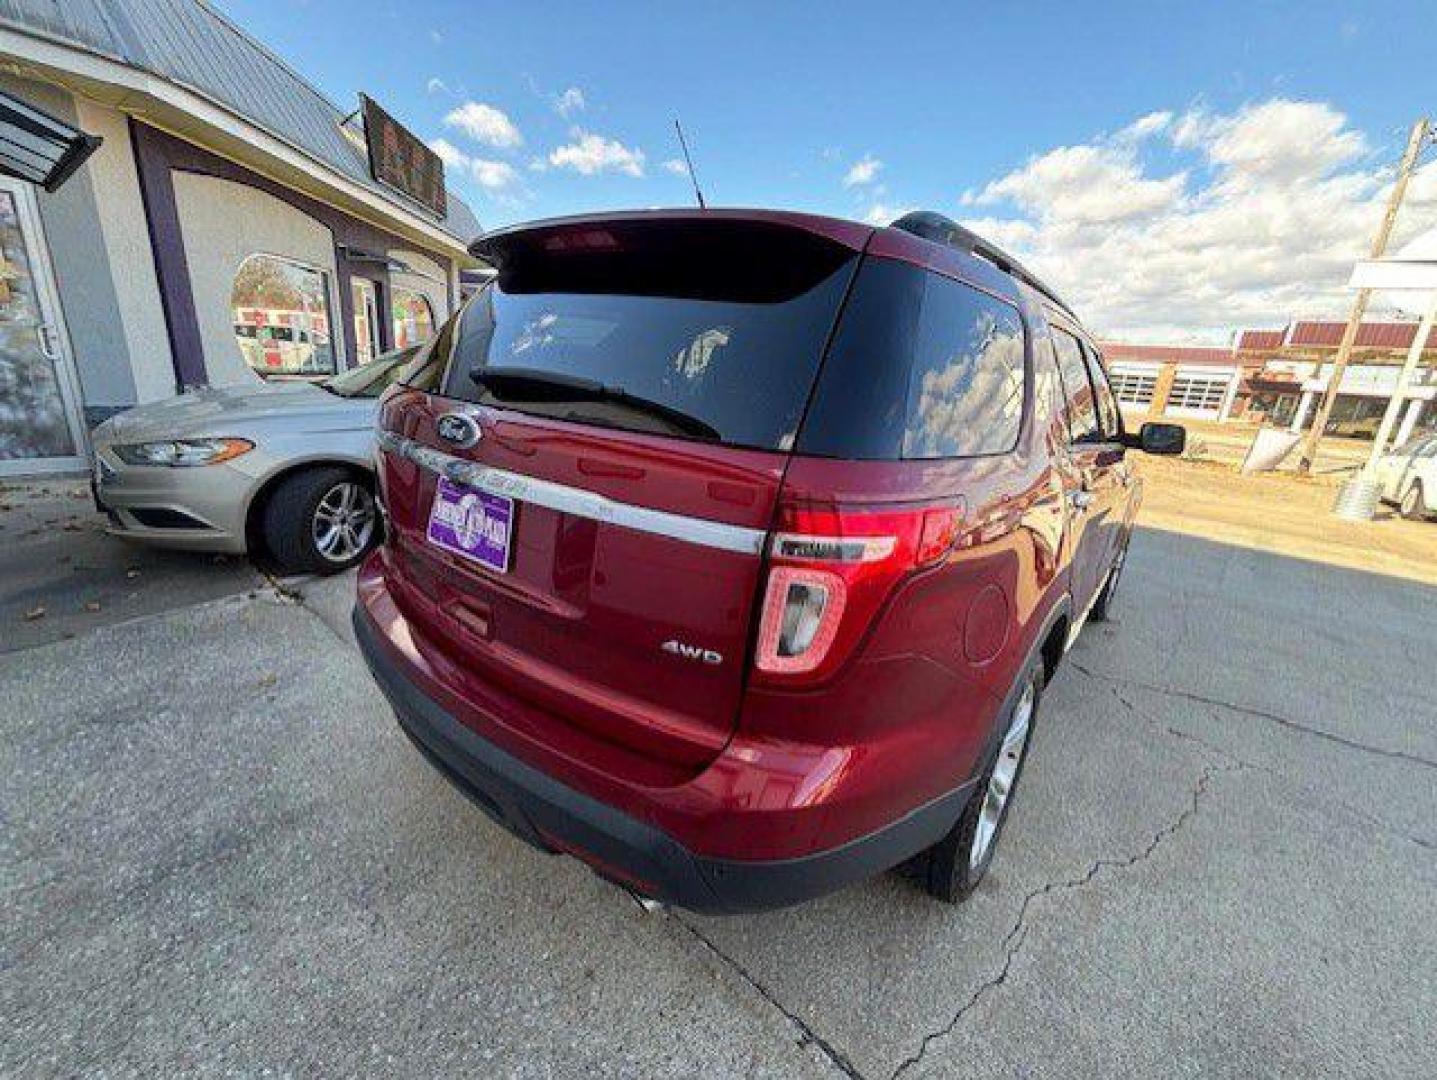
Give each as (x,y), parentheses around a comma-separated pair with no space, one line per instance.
(1159,439)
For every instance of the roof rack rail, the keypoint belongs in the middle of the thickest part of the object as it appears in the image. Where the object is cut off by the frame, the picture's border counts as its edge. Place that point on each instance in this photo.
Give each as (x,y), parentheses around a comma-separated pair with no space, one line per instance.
(944,230)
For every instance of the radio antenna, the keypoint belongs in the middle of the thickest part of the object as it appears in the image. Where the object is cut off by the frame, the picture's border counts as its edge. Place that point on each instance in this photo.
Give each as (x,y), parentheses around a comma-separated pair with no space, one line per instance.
(689,162)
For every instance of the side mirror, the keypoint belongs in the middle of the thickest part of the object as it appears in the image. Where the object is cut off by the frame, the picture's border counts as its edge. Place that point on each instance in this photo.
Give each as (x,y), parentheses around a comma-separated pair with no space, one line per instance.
(1161,439)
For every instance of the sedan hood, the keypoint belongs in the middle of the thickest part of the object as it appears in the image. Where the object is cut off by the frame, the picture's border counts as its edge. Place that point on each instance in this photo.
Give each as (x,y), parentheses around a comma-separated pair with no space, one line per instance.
(235,411)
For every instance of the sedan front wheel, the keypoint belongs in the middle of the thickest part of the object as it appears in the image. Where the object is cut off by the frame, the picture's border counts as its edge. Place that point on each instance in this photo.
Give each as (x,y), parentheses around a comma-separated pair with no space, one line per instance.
(321,521)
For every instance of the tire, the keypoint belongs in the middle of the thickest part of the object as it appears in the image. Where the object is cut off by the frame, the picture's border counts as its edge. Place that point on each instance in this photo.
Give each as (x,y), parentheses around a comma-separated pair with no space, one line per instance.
(1102,605)
(957,864)
(1414,503)
(320,521)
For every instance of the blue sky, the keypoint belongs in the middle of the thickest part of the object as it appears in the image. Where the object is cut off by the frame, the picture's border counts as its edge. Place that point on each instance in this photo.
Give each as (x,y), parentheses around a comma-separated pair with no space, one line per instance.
(1075,135)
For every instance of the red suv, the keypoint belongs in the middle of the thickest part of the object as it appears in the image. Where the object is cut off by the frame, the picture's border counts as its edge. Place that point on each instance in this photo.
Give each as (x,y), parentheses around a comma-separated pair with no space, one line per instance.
(729,551)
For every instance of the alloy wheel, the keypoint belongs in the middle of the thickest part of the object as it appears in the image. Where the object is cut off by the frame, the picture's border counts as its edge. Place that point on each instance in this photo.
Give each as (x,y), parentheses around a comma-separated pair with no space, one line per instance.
(1117,571)
(1005,772)
(343,522)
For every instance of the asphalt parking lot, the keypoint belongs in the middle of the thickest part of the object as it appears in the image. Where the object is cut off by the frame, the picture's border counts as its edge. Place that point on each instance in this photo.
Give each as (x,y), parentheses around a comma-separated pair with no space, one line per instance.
(220,855)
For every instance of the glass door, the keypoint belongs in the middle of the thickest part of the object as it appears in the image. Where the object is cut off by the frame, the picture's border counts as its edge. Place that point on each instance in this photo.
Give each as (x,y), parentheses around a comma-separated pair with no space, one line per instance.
(40,426)
(366,320)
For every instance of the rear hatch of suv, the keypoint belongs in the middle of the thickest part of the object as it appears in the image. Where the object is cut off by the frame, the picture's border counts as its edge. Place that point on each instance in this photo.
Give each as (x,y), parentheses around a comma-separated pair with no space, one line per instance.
(581,477)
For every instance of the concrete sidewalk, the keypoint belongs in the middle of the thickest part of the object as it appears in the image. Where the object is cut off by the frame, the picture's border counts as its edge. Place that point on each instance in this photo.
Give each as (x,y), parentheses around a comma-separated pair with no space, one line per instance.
(61,576)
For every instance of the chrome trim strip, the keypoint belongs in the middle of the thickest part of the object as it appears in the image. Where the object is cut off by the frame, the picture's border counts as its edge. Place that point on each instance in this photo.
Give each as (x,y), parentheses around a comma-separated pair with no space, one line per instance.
(577,501)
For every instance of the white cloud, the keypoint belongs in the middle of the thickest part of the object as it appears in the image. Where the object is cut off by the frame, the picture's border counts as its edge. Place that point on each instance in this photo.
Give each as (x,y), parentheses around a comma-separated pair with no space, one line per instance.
(436,37)
(590,154)
(493,175)
(862,171)
(883,214)
(1276,140)
(1145,126)
(675,166)
(450,154)
(1277,200)
(436,85)
(1089,183)
(485,124)
(571,101)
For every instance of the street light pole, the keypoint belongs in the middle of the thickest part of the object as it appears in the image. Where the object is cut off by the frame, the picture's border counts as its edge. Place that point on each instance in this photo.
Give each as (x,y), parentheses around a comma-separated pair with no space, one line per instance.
(1419,135)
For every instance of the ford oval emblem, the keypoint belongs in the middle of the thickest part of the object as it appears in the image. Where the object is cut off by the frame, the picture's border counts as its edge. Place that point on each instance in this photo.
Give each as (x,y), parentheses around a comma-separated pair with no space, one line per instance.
(459,429)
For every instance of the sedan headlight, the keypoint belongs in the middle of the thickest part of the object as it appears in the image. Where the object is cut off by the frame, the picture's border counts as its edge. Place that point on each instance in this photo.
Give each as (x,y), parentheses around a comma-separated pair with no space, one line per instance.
(178,453)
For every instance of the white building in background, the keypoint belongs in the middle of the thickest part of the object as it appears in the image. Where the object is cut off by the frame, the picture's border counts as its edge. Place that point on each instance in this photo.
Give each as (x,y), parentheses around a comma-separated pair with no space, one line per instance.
(1278,376)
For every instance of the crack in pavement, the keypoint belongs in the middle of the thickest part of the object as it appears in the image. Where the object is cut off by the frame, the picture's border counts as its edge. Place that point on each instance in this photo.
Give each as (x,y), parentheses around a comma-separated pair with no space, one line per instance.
(1013,942)
(1228,755)
(808,1036)
(1261,714)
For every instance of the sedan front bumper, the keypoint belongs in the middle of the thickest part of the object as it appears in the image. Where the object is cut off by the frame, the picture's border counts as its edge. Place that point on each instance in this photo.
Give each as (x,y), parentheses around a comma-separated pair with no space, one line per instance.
(198,509)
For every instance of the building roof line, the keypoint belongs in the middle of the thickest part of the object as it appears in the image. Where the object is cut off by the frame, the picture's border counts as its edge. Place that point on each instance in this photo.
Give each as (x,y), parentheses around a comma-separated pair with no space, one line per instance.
(191,46)
(274,58)
(379,206)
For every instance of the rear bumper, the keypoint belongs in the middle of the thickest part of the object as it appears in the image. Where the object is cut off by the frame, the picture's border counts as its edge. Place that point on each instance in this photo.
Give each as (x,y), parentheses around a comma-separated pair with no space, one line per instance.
(555,817)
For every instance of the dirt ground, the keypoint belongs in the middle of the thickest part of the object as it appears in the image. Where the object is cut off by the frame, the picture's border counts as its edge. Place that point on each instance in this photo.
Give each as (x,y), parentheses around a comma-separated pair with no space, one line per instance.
(1228,443)
(1281,513)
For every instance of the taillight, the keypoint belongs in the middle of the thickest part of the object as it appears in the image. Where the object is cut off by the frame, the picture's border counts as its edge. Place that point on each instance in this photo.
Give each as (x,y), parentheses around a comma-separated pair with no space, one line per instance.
(801,612)
(829,572)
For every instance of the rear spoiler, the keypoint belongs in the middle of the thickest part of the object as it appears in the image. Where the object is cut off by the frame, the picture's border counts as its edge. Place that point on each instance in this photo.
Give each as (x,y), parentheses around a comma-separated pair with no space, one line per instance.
(748,256)
(588,231)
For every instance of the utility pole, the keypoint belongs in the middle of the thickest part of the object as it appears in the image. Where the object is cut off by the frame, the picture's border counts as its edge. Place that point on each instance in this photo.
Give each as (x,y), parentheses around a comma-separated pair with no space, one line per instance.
(1419,135)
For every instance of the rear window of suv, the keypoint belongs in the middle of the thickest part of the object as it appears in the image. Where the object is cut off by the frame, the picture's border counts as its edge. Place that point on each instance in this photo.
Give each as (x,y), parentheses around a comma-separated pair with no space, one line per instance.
(703,331)
(922,367)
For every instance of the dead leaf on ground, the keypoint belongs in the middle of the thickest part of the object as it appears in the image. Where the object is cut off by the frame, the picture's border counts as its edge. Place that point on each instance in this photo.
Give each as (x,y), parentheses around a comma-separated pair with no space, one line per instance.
(268,680)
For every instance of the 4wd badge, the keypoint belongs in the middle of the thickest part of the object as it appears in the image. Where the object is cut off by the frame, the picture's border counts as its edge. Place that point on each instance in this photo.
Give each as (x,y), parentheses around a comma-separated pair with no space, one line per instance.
(691,652)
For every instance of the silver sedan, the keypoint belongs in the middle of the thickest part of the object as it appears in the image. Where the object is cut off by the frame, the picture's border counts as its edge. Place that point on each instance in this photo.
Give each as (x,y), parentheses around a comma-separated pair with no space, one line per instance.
(285,468)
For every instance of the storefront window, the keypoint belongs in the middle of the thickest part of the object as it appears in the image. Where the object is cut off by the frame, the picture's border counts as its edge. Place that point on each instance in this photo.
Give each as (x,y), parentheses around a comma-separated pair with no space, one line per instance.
(413,318)
(281,317)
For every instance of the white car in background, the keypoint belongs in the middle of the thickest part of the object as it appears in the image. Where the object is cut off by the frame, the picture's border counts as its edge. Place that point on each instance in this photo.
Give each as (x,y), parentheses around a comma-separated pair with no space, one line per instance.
(283,469)
(1408,476)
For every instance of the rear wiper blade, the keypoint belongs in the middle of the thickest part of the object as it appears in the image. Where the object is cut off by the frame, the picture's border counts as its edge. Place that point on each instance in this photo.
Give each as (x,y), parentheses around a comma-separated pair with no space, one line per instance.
(536,384)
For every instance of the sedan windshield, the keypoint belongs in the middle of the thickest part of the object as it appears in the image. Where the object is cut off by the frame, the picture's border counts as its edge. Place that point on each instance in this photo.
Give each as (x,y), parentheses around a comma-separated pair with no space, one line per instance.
(371,379)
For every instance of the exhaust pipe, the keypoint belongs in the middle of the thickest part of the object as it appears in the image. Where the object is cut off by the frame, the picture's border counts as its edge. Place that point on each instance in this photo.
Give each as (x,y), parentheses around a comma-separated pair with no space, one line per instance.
(648,903)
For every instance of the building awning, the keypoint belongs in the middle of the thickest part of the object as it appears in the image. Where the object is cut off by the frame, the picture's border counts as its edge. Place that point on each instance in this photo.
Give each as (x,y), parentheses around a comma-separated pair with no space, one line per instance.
(37,148)
(1414,267)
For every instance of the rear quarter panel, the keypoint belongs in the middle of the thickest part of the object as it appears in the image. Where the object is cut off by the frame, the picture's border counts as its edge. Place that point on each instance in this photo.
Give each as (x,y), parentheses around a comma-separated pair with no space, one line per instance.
(919,699)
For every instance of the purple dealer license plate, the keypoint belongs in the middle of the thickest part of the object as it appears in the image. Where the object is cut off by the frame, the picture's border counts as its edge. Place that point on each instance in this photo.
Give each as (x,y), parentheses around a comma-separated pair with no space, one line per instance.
(472,523)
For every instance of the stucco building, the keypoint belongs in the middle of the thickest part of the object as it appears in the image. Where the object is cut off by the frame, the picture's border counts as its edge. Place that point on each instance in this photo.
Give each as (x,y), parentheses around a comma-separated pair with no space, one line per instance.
(232,225)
